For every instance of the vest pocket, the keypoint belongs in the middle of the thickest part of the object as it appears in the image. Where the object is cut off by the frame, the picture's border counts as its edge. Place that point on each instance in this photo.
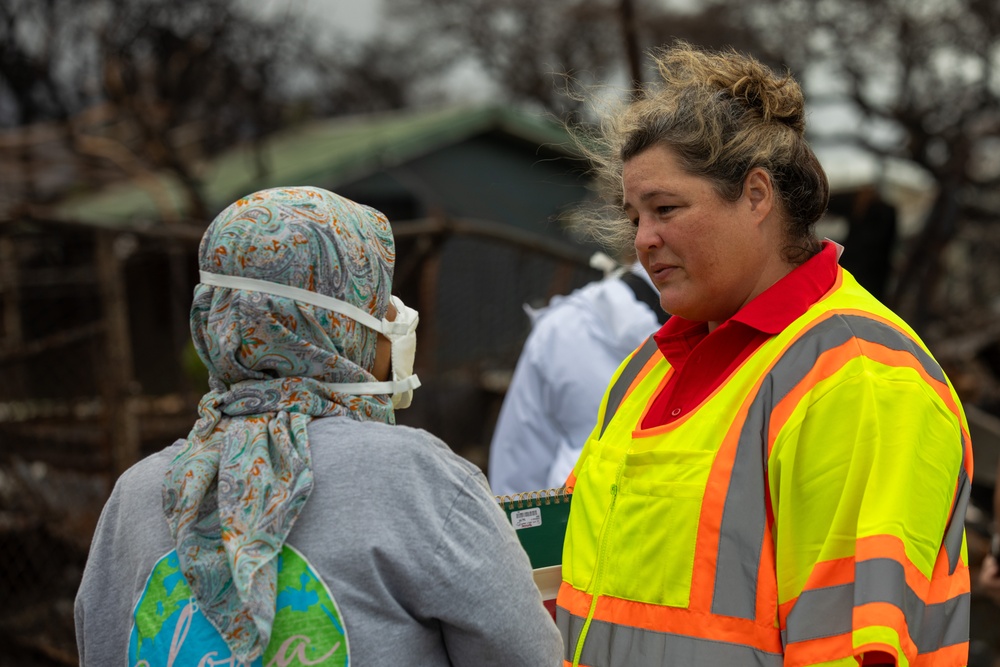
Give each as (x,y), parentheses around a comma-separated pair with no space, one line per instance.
(656,527)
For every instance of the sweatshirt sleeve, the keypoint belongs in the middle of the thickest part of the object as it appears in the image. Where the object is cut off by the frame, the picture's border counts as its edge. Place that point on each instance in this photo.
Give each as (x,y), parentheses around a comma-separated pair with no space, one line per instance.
(482,591)
(100,609)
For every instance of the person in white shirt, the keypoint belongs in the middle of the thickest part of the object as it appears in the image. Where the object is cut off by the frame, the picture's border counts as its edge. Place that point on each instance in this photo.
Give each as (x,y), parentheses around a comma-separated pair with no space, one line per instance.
(574,347)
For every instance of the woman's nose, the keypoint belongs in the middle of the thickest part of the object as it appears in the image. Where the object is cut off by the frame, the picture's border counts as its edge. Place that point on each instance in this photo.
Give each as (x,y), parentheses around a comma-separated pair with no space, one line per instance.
(646,237)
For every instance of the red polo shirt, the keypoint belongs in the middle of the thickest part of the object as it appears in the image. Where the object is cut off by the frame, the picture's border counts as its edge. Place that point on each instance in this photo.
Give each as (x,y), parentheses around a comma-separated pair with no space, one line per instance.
(702,361)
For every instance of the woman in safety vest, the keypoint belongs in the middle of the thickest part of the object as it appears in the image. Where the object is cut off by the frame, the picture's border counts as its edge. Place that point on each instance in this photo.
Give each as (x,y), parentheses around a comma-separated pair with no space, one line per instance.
(779,475)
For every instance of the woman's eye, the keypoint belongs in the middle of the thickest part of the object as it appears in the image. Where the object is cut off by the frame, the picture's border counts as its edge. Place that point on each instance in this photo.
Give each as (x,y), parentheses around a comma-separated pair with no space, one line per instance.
(663,210)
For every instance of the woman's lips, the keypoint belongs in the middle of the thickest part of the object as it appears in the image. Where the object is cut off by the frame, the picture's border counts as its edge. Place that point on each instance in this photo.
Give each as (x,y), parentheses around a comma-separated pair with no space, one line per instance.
(661,272)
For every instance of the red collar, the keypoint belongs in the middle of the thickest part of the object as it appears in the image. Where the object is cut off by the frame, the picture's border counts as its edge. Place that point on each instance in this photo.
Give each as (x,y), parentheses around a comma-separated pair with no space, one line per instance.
(783,302)
(768,313)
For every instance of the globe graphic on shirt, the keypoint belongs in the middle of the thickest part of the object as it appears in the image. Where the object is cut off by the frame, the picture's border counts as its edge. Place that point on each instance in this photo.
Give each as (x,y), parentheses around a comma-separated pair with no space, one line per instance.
(169,630)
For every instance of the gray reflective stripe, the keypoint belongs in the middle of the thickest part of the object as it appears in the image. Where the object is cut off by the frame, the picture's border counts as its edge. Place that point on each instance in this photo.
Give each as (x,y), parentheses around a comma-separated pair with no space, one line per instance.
(563,623)
(821,612)
(625,380)
(874,331)
(826,612)
(956,524)
(744,519)
(613,645)
(931,626)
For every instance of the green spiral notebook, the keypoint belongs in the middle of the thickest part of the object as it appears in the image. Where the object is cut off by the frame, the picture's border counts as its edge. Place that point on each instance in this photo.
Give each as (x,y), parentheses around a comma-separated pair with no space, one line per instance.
(539,519)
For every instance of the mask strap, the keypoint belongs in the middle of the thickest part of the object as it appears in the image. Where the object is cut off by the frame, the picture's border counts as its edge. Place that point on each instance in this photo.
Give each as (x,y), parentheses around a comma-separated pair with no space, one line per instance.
(304,296)
(370,388)
(359,388)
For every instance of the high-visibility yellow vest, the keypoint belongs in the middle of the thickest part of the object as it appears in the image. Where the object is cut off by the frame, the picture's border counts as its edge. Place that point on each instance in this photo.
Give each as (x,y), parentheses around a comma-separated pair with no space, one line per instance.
(808,511)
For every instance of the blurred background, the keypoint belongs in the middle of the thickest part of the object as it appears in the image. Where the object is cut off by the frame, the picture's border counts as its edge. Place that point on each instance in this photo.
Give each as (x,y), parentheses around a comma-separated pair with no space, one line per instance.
(127,125)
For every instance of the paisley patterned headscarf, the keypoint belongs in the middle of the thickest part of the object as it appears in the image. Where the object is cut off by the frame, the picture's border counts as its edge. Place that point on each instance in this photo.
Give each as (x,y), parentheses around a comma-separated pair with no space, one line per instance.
(232,494)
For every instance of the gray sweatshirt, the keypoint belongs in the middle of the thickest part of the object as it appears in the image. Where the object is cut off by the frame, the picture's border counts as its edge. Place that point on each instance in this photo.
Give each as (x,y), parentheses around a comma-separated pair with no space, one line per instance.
(420,562)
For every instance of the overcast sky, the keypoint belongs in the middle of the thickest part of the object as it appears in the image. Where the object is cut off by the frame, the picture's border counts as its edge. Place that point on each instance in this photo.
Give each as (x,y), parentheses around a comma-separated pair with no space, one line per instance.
(361,16)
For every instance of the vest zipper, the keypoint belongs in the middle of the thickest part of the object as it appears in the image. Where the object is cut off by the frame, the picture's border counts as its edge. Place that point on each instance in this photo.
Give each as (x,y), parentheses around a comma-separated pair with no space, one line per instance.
(601,560)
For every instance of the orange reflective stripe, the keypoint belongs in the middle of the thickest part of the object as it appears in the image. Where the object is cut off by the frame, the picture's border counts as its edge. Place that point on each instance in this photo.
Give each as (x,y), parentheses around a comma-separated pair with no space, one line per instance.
(831,573)
(815,651)
(825,574)
(828,363)
(879,589)
(837,284)
(886,615)
(706,549)
(676,620)
(873,338)
(614,644)
(570,482)
(823,650)
(929,626)
(879,598)
(900,358)
(932,371)
(942,587)
(949,656)
(945,583)
(743,530)
(703,582)
(832,361)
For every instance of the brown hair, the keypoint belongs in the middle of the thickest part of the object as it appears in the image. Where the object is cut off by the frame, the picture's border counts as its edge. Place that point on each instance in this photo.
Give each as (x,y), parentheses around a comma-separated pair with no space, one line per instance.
(723,114)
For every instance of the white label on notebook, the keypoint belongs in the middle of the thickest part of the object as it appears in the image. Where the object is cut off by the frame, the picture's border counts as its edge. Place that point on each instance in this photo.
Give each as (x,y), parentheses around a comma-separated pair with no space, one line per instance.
(528,518)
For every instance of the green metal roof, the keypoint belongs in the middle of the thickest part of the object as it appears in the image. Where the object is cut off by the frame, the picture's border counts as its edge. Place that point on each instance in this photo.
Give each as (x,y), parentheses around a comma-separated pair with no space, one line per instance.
(330,152)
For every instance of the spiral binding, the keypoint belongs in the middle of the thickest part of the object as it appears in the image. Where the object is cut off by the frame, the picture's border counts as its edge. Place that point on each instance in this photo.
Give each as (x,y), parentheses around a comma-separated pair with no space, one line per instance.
(534,498)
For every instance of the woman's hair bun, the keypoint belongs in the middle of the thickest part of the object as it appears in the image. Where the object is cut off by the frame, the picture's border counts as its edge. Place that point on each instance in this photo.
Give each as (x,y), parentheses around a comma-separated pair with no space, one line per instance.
(775,98)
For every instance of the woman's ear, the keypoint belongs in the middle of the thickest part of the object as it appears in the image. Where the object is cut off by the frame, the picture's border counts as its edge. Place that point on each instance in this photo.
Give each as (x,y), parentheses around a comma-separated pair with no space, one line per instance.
(758,190)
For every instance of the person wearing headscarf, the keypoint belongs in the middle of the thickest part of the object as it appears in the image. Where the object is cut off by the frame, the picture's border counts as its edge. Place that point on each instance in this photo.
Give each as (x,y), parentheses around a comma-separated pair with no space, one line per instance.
(297,524)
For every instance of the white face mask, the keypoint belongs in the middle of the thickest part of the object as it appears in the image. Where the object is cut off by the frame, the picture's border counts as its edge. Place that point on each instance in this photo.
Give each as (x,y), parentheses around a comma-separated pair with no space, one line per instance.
(401,332)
